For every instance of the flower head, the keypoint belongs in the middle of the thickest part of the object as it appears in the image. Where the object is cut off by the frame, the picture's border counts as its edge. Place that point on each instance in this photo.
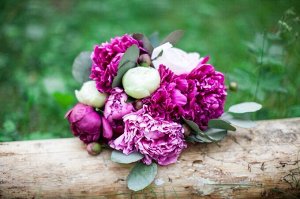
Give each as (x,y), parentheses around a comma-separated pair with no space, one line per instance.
(87,124)
(156,139)
(115,108)
(199,95)
(140,82)
(177,60)
(106,58)
(89,95)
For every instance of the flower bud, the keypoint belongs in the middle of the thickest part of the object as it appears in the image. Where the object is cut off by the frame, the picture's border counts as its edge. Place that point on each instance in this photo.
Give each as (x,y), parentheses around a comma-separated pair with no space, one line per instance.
(145,60)
(138,105)
(89,95)
(94,148)
(140,82)
(187,130)
(233,86)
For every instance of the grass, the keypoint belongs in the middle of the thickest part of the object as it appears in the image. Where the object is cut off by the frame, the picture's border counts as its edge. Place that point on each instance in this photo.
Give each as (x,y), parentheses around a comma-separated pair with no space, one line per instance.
(40,39)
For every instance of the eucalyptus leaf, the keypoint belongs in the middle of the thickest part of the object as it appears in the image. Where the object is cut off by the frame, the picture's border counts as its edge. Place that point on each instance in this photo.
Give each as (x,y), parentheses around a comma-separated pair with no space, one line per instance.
(193,139)
(146,42)
(204,139)
(245,107)
(154,39)
(119,157)
(242,123)
(141,176)
(192,125)
(131,55)
(220,124)
(173,37)
(121,71)
(81,68)
(216,134)
(196,130)
(226,116)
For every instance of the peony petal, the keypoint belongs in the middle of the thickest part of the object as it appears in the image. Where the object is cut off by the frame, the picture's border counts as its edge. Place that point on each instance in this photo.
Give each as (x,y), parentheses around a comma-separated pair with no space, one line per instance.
(106,129)
(179,98)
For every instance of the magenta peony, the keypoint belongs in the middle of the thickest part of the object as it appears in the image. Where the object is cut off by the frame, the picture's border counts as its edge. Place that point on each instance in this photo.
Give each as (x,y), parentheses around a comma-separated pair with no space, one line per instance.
(105,60)
(87,124)
(158,140)
(198,96)
(115,108)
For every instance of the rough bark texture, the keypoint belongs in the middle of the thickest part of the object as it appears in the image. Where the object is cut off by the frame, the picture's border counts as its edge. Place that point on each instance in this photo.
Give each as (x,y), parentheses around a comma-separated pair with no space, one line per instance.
(258,163)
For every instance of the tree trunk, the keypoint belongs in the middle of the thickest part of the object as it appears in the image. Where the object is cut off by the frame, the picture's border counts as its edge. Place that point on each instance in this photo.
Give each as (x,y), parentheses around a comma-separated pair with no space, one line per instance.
(262,162)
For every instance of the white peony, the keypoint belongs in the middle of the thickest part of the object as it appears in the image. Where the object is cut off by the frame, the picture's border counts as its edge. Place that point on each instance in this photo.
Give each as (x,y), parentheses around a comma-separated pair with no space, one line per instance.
(140,82)
(89,95)
(175,59)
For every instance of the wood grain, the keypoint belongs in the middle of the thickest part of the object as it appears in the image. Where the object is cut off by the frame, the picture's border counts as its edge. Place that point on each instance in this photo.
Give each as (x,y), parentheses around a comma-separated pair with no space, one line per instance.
(262,162)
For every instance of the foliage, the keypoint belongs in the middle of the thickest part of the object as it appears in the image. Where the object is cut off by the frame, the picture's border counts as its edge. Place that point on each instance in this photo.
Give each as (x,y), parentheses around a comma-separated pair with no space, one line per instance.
(40,39)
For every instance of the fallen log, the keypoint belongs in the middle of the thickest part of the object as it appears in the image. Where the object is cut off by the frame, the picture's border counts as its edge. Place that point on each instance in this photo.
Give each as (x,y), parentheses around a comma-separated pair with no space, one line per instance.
(262,162)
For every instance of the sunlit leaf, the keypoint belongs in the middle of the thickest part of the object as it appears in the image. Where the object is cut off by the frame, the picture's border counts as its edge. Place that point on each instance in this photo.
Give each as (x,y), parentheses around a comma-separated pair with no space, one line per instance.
(245,107)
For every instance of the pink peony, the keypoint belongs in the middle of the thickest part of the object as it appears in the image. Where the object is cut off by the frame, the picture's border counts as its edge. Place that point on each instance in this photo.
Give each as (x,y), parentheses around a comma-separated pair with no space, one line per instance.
(106,58)
(198,96)
(156,139)
(115,108)
(167,101)
(87,124)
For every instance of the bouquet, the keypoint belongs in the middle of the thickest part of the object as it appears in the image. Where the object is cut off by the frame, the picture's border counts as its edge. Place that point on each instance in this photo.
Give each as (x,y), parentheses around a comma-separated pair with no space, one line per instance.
(146,101)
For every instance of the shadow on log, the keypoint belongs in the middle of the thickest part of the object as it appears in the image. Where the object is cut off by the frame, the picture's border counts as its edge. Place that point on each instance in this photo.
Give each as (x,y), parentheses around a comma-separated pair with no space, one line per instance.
(251,163)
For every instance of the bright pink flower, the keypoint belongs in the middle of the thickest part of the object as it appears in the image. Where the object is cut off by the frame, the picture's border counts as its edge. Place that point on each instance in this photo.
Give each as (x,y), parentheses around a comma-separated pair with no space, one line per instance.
(156,139)
(115,108)
(198,96)
(106,58)
(87,124)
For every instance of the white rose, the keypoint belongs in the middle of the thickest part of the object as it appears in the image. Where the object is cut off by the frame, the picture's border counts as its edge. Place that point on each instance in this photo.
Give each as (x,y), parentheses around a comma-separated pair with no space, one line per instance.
(89,95)
(140,82)
(175,59)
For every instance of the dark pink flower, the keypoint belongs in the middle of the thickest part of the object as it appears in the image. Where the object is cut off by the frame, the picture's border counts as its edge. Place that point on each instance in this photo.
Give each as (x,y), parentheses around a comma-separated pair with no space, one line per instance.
(115,108)
(156,139)
(87,124)
(106,58)
(198,96)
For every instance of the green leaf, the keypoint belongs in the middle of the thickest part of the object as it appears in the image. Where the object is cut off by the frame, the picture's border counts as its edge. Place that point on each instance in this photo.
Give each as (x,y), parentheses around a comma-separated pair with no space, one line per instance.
(81,68)
(154,39)
(121,71)
(216,134)
(196,130)
(131,55)
(141,176)
(173,37)
(119,157)
(242,123)
(220,124)
(192,125)
(146,42)
(245,107)
(127,62)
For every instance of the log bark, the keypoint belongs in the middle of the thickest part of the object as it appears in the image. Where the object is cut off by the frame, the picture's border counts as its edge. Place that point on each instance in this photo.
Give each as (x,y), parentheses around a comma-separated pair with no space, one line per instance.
(262,162)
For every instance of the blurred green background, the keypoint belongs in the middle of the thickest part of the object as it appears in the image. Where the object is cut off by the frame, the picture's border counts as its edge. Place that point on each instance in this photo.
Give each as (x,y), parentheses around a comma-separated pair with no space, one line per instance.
(253,42)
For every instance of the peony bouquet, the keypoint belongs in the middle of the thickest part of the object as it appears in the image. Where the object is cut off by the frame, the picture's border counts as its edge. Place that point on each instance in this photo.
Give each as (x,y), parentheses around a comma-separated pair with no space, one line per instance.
(146,101)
